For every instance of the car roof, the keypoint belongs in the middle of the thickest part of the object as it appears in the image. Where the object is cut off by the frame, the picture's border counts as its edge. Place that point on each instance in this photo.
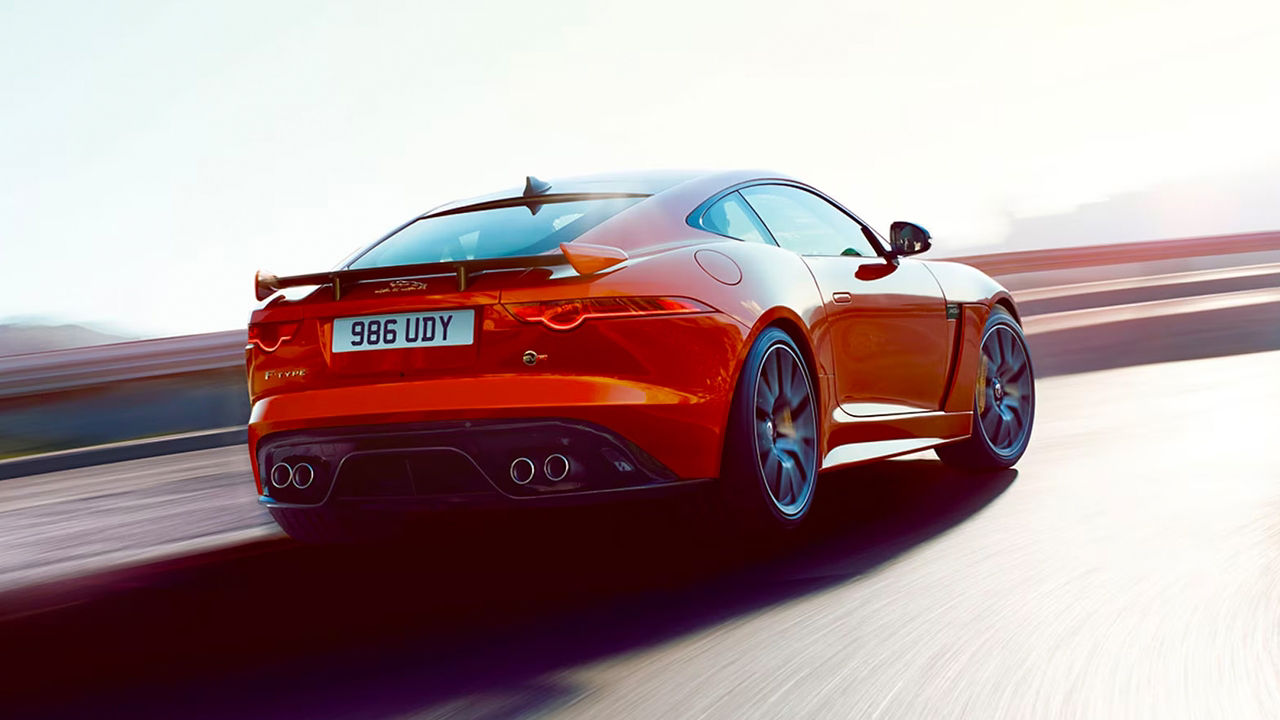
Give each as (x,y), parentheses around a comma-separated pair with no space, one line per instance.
(641,182)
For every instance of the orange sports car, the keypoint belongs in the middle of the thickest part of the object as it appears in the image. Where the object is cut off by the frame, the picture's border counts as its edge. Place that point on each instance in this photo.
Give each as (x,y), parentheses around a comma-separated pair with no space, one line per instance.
(593,338)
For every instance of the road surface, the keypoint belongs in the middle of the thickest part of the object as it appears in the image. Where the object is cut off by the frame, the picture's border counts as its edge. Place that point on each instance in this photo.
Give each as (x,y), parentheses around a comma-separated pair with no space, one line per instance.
(1129,567)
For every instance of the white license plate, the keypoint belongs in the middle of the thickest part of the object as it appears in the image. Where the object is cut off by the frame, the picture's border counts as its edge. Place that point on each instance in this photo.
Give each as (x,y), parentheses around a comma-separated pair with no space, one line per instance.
(404,330)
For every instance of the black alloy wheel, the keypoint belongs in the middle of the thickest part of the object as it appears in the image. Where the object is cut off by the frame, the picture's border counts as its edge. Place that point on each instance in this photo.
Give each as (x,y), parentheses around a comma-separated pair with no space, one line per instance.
(1004,401)
(771,452)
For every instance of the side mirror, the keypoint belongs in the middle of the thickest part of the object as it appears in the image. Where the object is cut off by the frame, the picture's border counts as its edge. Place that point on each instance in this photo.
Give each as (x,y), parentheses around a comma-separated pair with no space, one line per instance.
(908,238)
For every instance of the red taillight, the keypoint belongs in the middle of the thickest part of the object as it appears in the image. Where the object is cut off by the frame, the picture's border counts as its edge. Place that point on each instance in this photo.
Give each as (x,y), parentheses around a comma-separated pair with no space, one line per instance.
(569,314)
(269,336)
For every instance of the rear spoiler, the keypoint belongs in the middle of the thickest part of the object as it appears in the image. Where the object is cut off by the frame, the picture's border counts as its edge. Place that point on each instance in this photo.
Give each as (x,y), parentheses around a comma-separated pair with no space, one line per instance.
(584,258)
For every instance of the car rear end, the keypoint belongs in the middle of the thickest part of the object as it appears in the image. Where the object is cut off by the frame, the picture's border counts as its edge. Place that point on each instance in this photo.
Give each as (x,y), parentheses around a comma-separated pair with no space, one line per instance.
(473,365)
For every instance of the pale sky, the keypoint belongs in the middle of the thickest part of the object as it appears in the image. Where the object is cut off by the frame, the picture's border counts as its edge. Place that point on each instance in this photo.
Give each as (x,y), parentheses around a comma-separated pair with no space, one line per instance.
(153,155)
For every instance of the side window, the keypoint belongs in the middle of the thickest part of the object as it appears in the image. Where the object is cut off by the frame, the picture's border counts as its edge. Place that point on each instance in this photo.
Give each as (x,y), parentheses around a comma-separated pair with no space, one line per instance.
(731,216)
(805,223)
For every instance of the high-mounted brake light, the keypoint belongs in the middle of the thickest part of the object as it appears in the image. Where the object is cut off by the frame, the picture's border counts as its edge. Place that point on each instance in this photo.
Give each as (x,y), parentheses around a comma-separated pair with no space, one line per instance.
(269,336)
(569,314)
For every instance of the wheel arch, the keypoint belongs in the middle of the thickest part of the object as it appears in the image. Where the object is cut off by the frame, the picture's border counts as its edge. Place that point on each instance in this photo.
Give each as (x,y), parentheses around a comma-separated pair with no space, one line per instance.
(795,330)
(790,323)
(1005,301)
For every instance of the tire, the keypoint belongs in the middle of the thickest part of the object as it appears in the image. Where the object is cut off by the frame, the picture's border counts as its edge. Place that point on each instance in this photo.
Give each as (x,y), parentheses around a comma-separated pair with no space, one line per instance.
(770,460)
(1004,402)
(325,526)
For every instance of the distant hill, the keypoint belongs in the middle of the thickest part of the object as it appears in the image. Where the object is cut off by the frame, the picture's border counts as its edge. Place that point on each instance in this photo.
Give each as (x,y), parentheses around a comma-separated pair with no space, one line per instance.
(1224,204)
(17,339)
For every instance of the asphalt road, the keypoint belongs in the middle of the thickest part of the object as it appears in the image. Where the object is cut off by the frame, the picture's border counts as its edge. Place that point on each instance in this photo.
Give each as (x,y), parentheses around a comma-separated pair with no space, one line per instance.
(72,523)
(1129,567)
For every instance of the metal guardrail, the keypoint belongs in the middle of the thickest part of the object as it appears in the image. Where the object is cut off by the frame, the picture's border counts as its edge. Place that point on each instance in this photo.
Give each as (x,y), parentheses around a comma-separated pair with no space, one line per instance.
(60,370)
(1023,261)
(121,451)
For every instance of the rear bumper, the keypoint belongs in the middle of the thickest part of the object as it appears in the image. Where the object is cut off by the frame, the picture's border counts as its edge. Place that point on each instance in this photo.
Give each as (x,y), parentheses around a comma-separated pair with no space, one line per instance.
(486,463)
(681,429)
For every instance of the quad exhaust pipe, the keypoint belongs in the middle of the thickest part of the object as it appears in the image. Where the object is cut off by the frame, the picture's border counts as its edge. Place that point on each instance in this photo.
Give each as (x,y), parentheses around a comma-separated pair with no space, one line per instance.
(522,470)
(556,468)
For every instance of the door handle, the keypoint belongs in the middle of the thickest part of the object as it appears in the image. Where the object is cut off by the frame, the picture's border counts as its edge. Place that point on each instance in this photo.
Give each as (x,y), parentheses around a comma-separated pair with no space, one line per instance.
(842,297)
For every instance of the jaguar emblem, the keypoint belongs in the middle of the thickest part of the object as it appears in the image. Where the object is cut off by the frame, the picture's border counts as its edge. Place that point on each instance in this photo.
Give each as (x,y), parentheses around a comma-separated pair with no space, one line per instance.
(401,286)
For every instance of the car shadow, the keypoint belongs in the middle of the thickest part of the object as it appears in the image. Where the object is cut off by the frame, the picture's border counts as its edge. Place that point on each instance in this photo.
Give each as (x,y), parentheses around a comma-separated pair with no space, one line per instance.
(479,617)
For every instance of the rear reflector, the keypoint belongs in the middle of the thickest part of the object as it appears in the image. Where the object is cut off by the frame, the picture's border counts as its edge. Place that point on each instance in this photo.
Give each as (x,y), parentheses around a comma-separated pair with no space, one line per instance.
(569,314)
(269,336)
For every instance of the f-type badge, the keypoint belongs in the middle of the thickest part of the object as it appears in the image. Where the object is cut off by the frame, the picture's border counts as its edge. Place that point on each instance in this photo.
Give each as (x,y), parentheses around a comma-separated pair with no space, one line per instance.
(281,374)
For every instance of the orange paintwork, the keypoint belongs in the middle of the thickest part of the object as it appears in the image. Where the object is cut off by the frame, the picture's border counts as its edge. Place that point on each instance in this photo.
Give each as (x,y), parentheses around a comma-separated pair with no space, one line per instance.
(587,258)
(874,331)
(888,324)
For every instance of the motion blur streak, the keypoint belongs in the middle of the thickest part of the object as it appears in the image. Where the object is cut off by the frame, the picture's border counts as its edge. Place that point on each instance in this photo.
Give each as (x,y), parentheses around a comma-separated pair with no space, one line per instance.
(1129,566)
(1129,580)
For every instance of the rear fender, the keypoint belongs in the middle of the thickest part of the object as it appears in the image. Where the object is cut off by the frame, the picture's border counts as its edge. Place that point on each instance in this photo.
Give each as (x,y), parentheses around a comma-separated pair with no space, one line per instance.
(775,287)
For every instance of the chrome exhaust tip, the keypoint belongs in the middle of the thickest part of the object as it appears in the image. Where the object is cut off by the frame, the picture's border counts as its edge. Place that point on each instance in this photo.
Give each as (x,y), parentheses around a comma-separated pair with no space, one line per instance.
(281,475)
(303,475)
(522,470)
(556,467)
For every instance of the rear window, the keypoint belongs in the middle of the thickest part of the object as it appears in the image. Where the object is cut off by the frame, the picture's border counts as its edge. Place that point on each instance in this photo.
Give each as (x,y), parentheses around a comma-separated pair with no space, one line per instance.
(498,232)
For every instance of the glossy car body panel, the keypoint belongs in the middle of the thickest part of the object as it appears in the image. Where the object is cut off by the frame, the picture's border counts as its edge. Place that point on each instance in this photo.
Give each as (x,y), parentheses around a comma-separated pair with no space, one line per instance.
(894,373)
(967,284)
(888,329)
(975,293)
(672,405)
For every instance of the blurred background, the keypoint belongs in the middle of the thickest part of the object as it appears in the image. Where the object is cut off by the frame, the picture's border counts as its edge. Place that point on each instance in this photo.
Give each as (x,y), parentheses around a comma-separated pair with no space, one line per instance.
(156,154)
(1115,162)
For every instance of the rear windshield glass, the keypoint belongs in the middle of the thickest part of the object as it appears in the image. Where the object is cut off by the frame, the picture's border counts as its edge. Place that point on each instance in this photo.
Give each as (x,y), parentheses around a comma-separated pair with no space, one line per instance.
(500,232)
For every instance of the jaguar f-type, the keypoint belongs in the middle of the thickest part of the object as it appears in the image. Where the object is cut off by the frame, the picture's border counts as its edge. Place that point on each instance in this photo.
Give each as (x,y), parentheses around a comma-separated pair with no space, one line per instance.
(605,337)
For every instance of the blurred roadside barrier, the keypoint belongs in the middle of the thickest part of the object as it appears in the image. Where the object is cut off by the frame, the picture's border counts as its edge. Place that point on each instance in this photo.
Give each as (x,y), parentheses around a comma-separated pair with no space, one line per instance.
(121,451)
(77,368)
(1025,261)
(62,399)
(53,401)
